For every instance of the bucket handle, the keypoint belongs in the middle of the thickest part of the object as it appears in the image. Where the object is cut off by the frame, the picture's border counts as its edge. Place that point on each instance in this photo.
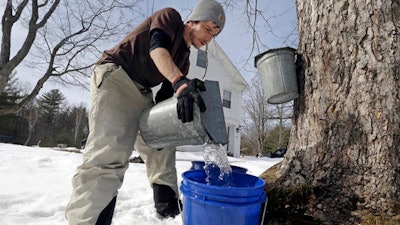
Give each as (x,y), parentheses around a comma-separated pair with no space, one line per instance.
(265,209)
(180,209)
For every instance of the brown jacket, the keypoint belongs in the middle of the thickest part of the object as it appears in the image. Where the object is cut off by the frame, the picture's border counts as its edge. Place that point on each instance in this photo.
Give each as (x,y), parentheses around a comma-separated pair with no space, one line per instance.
(132,53)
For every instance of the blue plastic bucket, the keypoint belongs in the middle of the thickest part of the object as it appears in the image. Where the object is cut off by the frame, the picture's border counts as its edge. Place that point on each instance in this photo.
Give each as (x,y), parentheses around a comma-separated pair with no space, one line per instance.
(199,165)
(238,204)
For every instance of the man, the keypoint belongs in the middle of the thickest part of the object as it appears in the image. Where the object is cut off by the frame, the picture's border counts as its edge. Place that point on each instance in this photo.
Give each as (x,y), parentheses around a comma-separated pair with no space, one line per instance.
(155,52)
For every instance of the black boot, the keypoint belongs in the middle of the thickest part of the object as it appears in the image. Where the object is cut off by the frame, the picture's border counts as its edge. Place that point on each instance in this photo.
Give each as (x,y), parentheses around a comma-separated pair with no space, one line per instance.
(106,215)
(165,201)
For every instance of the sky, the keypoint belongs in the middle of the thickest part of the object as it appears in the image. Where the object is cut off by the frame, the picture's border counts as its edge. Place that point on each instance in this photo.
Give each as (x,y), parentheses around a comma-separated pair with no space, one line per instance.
(36,185)
(236,39)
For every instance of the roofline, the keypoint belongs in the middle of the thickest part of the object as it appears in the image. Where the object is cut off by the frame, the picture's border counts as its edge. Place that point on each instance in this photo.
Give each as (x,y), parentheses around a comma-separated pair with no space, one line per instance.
(225,59)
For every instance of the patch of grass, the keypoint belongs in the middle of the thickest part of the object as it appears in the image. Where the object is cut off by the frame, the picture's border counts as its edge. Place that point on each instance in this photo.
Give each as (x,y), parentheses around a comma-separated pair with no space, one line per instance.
(270,175)
(396,208)
(381,219)
(286,206)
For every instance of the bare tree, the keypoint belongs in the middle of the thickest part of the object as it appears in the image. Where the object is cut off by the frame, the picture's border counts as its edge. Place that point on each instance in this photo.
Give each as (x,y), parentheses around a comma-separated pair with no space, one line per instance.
(260,116)
(255,118)
(344,153)
(79,118)
(62,38)
(31,114)
(282,113)
(262,23)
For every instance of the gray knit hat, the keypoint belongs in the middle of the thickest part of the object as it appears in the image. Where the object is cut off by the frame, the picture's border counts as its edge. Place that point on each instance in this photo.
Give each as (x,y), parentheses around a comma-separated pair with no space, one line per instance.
(208,10)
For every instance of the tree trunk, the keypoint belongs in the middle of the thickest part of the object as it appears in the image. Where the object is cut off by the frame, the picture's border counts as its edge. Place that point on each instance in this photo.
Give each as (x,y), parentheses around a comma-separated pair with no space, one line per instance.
(345,137)
(80,113)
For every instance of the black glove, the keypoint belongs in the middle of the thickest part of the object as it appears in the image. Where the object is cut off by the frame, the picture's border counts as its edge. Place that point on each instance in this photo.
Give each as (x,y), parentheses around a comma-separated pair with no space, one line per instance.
(187,96)
(165,92)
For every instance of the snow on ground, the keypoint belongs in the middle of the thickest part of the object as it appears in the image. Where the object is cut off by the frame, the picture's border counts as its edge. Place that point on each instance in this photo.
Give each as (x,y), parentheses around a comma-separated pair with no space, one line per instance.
(35,186)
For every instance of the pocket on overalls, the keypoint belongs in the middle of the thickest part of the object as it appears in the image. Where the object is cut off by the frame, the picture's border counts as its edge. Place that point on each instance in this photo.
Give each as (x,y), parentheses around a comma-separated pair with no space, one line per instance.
(103,73)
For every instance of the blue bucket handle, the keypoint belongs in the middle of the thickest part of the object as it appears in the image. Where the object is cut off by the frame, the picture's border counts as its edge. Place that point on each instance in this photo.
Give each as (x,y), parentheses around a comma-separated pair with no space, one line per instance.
(265,209)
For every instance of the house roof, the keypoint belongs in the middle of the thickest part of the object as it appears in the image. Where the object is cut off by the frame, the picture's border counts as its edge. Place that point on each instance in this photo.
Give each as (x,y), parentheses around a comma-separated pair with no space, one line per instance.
(216,51)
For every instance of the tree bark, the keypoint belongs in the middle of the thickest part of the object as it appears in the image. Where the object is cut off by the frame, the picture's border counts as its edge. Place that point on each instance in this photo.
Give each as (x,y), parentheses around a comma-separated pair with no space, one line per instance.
(345,136)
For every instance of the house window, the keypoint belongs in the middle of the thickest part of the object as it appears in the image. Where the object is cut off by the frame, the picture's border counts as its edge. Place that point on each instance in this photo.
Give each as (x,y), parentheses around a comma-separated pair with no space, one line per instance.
(201,58)
(226,101)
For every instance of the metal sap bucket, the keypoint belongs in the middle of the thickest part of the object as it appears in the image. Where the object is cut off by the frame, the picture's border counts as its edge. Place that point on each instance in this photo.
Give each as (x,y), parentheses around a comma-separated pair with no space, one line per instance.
(161,128)
(278,74)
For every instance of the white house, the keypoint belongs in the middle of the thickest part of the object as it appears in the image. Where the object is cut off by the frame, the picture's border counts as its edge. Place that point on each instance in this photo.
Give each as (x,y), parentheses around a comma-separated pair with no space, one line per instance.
(231,83)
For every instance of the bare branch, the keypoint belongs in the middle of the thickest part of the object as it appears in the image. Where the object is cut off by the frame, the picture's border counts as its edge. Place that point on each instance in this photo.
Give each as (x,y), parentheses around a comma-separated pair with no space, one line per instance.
(8,65)
(66,39)
(8,20)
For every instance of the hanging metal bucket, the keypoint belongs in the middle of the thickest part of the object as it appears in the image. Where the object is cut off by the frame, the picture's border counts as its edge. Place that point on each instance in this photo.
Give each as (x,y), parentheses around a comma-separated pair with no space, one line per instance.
(278,74)
(161,128)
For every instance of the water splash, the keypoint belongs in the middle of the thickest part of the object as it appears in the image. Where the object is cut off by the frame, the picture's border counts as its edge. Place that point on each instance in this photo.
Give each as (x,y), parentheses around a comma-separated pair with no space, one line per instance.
(217,167)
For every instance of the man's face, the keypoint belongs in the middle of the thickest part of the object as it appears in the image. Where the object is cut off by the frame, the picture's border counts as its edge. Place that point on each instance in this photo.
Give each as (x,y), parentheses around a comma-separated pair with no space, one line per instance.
(202,32)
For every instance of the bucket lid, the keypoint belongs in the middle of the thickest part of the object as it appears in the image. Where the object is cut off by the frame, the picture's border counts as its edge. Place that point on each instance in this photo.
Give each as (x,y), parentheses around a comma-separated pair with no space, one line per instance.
(213,118)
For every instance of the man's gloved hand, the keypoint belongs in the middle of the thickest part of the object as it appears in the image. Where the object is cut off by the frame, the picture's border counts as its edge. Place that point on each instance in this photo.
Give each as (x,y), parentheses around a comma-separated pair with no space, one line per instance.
(166,91)
(188,92)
